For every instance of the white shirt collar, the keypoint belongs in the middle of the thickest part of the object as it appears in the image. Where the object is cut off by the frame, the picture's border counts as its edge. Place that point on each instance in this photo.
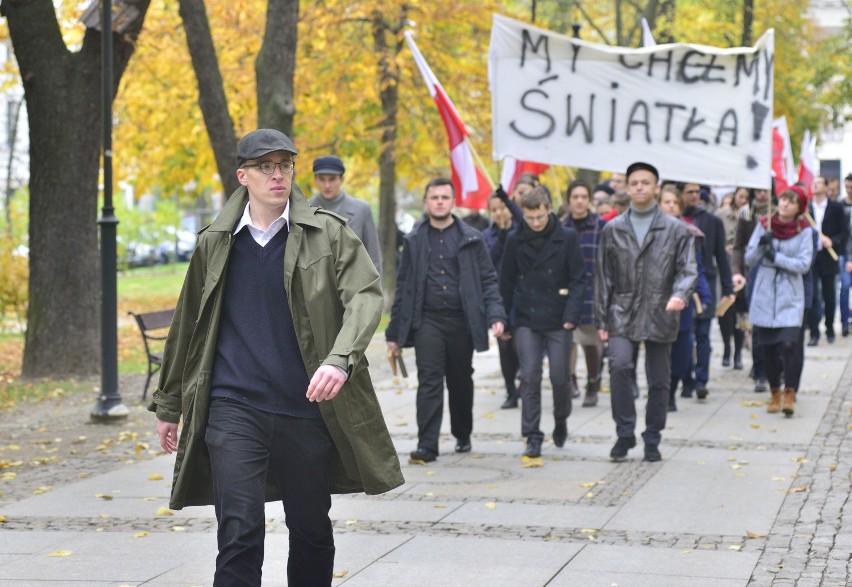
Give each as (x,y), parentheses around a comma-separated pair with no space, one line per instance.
(263,236)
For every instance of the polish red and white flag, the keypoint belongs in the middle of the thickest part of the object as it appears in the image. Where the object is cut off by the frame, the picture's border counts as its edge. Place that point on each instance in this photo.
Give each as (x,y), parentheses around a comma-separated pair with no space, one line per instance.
(472,185)
(515,168)
(808,162)
(783,164)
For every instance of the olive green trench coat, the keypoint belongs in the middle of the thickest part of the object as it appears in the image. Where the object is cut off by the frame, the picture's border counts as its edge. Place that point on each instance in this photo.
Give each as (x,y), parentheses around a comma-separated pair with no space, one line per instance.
(335,298)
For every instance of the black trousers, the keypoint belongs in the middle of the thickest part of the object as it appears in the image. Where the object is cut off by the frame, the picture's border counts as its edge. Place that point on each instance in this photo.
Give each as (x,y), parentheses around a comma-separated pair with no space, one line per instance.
(246,447)
(824,301)
(658,358)
(444,351)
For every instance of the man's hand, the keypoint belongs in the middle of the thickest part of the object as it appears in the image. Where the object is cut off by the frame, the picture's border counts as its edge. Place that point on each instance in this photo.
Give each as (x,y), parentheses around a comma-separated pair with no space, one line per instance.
(497,329)
(826,242)
(168,434)
(393,349)
(848,266)
(731,298)
(738,280)
(568,326)
(325,383)
(603,334)
(675,304)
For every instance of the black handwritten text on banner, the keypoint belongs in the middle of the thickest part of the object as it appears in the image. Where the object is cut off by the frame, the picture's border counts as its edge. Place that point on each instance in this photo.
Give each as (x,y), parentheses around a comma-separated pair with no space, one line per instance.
(699,113)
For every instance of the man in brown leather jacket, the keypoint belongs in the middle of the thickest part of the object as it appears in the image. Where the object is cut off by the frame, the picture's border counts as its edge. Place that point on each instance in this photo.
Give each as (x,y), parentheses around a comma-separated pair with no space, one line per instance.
(645,274)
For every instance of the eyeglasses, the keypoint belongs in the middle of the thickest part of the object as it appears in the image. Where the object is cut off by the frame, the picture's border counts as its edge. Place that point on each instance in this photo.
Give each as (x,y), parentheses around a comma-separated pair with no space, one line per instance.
(268,167)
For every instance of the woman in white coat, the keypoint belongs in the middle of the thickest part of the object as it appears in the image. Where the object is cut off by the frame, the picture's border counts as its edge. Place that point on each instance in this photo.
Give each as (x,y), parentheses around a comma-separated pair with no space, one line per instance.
(781,247)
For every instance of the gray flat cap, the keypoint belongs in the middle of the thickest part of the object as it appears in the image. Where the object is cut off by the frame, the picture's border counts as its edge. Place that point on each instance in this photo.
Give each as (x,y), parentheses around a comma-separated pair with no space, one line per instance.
(262,141)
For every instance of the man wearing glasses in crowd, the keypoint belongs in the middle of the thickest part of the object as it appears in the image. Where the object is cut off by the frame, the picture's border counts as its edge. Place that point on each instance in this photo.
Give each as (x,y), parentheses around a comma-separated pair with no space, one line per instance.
(269,378)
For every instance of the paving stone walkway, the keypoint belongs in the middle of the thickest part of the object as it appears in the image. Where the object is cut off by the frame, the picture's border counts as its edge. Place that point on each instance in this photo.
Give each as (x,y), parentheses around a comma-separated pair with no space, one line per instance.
(741,498)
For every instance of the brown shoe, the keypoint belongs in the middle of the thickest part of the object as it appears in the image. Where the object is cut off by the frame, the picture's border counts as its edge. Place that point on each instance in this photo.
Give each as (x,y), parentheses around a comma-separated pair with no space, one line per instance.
(774,402)
(789,401)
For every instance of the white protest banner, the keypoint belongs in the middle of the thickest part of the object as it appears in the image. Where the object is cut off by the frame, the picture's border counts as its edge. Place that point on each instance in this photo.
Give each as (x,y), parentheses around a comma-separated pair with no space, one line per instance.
(698,113)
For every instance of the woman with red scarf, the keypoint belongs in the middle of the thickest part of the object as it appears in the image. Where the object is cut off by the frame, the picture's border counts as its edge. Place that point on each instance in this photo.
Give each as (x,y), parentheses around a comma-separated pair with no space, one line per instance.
(781,247)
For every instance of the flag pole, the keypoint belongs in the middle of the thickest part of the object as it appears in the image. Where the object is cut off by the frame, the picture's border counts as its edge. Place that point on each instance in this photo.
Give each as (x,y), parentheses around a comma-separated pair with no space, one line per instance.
(479,164)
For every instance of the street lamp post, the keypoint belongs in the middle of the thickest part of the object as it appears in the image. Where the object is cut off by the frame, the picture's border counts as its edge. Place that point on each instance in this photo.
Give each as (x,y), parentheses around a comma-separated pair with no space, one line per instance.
(109,407)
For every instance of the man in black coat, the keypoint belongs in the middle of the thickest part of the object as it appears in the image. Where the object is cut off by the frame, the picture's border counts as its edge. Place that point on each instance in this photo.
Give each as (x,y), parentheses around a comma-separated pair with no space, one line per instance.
(447,295)
(715,260)
(833,228)
(542,280)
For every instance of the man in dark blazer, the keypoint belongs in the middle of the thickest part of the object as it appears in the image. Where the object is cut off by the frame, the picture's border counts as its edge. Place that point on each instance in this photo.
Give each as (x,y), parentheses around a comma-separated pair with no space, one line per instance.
(542,281)
(833,227)
(447,295)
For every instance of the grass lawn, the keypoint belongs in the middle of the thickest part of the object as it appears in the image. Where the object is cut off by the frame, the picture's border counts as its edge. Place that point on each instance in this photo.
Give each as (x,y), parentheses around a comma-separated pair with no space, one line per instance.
(145,289)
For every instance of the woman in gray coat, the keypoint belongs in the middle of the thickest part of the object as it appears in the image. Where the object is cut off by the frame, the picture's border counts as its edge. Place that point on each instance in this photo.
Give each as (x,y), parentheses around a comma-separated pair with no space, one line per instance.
(781,247)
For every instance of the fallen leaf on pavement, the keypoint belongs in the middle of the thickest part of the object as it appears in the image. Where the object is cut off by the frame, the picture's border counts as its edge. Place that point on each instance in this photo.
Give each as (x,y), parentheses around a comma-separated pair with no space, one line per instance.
(340,574)
(140,535)
(155,477)
(164,511)
(60,553)
(734,547)
(491,505)
(104,496)
(750,534)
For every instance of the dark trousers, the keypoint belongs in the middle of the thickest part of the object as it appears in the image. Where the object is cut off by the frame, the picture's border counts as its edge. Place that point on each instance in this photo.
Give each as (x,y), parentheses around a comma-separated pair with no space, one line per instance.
(247,447)
(824,301)
(532,347)
(728,327)
(444,350)
(783,357)
(657,369)
(508,364)
(702,351)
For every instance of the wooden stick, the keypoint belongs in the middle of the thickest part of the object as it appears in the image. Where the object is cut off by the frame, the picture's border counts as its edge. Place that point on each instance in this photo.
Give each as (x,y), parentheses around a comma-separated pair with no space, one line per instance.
(479,164)
(812,222)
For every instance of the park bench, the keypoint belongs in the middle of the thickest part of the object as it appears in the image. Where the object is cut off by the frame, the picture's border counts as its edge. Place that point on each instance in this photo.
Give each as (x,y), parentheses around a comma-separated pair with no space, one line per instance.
(148,323)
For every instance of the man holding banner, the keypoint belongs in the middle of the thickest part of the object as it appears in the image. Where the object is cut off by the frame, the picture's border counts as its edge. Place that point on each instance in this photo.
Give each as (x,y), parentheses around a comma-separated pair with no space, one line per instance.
(645,274)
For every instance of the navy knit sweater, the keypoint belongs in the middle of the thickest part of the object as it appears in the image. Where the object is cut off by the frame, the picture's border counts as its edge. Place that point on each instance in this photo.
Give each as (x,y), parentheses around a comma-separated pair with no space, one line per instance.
(258,361)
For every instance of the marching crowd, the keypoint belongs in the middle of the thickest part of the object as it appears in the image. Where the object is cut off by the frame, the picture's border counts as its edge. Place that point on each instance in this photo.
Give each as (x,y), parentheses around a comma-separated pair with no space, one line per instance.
(268,375)
(637,261)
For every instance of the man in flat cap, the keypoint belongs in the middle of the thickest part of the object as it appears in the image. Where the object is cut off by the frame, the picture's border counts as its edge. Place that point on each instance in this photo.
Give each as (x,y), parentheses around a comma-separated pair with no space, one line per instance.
(328,177)
(270,381)
(645,274)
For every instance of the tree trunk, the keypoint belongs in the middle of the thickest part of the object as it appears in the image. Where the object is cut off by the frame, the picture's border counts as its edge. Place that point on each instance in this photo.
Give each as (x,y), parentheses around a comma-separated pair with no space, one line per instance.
(275,67)
(748,19)
(389,93)
(64,94)
(211,91)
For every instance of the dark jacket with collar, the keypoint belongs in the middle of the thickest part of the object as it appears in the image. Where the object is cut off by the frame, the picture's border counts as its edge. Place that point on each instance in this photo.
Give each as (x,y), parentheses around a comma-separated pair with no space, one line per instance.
(480,293)
(714,255)
(836,227)
(633,283)
(543,289)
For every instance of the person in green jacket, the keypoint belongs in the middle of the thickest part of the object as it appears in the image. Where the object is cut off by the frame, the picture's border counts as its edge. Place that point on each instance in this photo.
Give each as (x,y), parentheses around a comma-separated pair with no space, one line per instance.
(264,363)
